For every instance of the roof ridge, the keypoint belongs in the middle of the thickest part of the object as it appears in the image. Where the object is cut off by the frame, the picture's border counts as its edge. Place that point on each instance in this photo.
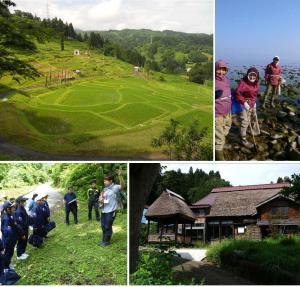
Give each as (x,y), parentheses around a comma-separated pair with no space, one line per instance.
(249,187)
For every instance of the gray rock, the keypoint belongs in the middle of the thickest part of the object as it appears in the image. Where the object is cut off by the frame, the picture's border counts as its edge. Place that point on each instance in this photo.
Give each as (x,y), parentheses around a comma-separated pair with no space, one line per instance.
(281,114)
(245,150)
(276,137)
(294,145)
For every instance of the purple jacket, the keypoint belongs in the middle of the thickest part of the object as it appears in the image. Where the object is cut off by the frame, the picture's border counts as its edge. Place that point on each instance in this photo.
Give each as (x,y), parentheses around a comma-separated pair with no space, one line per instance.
(222,92)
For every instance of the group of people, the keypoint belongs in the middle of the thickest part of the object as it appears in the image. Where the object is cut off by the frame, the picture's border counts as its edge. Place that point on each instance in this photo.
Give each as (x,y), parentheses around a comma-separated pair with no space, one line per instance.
(16,220)
(243,101)
(106,201)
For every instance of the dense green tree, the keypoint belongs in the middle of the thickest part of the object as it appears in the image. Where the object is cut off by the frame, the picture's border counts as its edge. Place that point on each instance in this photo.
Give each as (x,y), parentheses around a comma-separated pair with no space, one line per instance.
(15,35)
(62,42)
(184,143)
(294,189)
(192,186)
(200,73)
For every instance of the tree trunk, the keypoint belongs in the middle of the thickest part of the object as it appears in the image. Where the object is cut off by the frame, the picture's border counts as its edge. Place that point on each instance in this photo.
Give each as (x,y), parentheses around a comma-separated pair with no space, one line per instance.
(142,177)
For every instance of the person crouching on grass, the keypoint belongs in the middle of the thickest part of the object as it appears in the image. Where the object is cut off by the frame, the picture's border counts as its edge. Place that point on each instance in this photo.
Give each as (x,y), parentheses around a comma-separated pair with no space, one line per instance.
(108,202)
(246,94)
(222,108)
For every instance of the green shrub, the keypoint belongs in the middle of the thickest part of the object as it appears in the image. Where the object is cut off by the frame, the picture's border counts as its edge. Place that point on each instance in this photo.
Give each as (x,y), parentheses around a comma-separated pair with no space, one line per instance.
(287,241)
(154,269)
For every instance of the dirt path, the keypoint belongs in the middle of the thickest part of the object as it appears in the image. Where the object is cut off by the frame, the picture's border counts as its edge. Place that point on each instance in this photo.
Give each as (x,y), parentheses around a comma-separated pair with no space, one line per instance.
(206,272)
(55,198)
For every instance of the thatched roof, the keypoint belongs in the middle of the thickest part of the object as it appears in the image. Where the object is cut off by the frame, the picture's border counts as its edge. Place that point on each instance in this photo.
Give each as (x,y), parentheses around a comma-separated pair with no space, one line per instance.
(238,200)
(169,207)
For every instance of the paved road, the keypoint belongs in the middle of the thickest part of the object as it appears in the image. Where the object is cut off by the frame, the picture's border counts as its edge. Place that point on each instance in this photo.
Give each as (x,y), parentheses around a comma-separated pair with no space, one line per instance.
(192,254)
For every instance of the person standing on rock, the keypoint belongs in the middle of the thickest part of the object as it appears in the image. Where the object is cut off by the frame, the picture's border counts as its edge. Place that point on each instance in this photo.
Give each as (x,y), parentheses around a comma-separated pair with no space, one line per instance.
(222,108)
(22,221)
(93,200)
(272,81)
(109,202)
(246,94)
(70,205)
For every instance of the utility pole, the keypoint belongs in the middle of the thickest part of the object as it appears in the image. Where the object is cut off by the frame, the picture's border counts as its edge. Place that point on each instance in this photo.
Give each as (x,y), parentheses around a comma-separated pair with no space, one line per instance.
(47,9)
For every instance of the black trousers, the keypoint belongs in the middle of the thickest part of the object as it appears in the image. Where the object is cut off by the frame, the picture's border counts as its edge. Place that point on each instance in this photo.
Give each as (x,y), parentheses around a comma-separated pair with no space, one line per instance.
(22,244)
(72,209)
(8,253)
(107,220)
(93,204)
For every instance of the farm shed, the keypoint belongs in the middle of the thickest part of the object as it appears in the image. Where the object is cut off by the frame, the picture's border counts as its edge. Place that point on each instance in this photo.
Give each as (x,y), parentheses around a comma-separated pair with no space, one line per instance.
(172,213)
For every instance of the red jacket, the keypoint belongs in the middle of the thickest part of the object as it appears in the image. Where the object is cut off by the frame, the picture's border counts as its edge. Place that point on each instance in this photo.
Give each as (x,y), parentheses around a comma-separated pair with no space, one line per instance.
(247,91)
(273,74)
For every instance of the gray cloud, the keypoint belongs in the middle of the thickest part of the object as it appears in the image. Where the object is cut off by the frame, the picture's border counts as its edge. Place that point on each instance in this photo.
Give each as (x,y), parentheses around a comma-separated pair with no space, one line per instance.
(193,16)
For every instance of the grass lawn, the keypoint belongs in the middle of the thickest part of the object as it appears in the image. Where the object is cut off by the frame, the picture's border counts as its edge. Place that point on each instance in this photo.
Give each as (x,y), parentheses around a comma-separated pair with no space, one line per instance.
(71,256)
(273,256)
(107,111)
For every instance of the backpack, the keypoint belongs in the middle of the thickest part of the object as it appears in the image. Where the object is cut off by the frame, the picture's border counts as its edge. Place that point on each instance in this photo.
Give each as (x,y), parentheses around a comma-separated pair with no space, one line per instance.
(51,225)
(35,240)
(9,277)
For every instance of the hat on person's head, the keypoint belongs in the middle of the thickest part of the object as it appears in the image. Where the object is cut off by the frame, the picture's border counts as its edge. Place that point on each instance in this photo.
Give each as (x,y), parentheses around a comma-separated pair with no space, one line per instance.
(40,197)
(109,177)
(276,58)
(8,204)
(21,199)
(12,199)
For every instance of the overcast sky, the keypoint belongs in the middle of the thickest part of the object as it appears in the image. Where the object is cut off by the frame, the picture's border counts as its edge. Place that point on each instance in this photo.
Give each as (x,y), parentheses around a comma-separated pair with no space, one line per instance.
(193,16)
(244,173)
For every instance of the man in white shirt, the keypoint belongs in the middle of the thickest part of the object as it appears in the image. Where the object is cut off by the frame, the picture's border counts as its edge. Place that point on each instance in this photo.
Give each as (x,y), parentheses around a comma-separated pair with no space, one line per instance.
(109,200)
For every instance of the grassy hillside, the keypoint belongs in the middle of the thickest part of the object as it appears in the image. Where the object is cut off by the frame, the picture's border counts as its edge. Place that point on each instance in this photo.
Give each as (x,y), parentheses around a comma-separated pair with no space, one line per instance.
(71,256)
(107,111)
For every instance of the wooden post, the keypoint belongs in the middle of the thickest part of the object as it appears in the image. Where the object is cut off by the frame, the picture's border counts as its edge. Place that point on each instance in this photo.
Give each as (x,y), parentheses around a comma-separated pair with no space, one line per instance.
(50,76)
(161,233)
(46,83)
(204,232)
(233,232)
(220,231)
(148,230)
(176,228)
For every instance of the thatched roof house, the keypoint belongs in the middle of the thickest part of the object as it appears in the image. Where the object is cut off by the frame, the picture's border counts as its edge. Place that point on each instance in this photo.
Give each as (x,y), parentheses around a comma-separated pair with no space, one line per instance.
(168,208)
(251,211)
(238,200)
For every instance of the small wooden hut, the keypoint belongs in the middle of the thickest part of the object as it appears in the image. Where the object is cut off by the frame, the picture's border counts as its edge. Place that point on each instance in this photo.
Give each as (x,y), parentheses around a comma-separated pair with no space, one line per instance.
(171,213)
